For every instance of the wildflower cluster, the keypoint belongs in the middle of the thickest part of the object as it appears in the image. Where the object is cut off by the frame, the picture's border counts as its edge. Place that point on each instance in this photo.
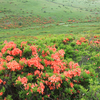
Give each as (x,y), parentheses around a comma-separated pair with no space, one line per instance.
(82,39)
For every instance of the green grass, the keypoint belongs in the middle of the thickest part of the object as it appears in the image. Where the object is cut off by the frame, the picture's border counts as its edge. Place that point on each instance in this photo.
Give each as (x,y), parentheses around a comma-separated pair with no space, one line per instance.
(59,10)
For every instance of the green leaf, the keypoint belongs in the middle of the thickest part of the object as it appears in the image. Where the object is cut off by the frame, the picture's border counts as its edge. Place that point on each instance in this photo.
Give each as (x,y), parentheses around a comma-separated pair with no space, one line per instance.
(18,82)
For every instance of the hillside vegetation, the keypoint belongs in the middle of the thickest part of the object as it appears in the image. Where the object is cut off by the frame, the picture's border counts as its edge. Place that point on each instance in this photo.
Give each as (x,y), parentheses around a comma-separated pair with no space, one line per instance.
(49,49)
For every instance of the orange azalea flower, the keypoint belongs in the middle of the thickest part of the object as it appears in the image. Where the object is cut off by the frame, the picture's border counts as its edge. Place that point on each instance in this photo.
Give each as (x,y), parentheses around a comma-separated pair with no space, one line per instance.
(39,90)
(24,60)
(71,85)
(8,45)
(51,87)
(52,48)
(5,42)
(47,62)
(47,75)
(76,49)
(61,52)
(29,74)
(37,72)
(87,71)
(75,65)
(22,72)
(8,58)
(39,49)
(66,79)
(42,98)
(27,87)
(27,93)
(4,82)
(58,85)
(78,91)
(16,51)
(53,84)
(91,42)
(67,39)
(34,50)
(78,71)
(23,43)
(54,78)
(35,62)
(64,41)
(24,80)
(48,95)
(71,64)
(96,42)
(32,86)
(0,54)
(82,38)
(13,65)
(78,42)
(13,84)
(9,52)
(67,74)
(1,93)
(75,81)
(19,78)
(31,90)
(55,56)
(1,81)
(42,87)
(71,90)
(95,36)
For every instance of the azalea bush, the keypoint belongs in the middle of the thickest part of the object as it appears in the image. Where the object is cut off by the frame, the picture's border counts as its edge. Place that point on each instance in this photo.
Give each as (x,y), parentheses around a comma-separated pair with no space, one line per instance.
(32,71)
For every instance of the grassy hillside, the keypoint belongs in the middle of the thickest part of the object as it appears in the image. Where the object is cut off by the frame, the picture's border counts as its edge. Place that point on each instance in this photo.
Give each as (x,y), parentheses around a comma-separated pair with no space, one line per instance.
(36,17)
(57,9)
